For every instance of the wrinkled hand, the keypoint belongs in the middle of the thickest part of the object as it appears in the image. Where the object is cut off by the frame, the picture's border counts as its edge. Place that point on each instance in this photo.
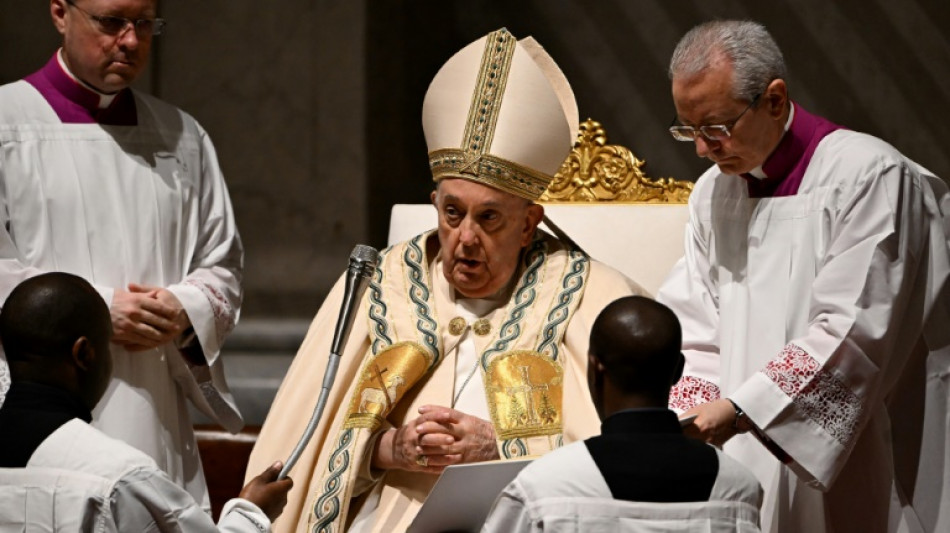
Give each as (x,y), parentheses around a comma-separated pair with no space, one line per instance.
(146,317)
(714,423)
(441,436)
(446,431)
(267,493)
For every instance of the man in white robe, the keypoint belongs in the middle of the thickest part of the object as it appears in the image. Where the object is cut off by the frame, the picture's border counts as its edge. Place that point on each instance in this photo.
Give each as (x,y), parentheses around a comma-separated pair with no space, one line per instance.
(124,190)
(641,474)
(470,342)
(60,475)
(812,298)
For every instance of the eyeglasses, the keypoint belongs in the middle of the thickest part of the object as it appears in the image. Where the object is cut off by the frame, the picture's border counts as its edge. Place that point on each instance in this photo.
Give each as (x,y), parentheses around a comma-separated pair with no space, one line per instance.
(714,132)
(117,26)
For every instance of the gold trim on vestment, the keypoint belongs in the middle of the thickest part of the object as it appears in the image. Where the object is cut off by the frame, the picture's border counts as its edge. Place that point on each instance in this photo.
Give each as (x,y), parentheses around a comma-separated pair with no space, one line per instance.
(489,92)
(385,379)
(490,170)
(524,390)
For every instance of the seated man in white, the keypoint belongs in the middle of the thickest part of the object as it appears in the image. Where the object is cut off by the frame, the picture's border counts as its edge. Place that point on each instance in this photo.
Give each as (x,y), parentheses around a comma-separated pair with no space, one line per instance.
(58,473)
(641,473)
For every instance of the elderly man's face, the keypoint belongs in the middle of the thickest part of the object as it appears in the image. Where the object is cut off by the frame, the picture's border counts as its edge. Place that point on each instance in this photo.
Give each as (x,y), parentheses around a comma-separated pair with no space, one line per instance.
(481,231)
(706,99)
(107,61)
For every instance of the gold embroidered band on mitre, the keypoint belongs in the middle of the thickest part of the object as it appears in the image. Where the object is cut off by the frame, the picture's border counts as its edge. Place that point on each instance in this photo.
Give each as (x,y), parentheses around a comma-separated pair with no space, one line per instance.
(489,170)
(524,391)
(384,381)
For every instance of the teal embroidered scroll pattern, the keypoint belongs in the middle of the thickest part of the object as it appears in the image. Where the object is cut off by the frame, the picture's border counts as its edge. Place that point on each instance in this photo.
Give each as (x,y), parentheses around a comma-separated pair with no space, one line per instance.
(327,507)
(514,448)
(525,295)
(377,308)
(419,294)
(572,285)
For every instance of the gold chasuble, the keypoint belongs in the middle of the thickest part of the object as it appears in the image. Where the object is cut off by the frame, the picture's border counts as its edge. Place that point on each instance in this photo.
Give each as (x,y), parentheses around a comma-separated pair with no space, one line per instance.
(519,358)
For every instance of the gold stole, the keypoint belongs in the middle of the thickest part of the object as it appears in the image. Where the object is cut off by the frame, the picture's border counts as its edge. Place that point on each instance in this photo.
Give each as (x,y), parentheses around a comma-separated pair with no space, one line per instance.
(522,376)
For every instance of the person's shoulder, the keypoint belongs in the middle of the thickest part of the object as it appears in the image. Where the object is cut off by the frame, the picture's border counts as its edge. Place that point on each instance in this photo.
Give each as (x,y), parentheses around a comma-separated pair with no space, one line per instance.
(852,161)
(859,151)
(735,482)
(78,446)
(164,114)
(566,471)
(13,87)
(15,100)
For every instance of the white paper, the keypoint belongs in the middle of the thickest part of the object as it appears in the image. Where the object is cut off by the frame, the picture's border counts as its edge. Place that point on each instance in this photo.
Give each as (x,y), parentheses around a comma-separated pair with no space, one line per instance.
(463,496)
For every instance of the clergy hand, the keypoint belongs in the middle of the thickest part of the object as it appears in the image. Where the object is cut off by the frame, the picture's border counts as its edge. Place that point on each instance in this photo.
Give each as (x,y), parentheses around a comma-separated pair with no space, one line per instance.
(266,492)
(145,317)
(437,438)
(714,423)
(399,449)
(446,433)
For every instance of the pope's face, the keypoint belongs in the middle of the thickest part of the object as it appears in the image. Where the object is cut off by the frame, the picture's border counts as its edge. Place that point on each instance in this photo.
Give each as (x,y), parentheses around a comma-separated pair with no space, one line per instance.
(706,99)
(108,62)
(481,232)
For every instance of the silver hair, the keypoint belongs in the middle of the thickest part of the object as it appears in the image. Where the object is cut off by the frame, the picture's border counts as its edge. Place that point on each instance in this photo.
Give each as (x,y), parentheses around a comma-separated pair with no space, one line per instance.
(747,45)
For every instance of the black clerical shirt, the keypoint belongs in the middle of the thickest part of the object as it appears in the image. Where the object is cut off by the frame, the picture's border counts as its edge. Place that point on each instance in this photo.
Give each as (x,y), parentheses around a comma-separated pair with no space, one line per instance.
(30,414)
(644,456)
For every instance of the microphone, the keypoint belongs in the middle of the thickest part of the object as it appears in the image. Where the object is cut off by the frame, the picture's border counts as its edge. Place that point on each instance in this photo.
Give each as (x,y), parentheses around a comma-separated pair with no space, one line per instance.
(363,262)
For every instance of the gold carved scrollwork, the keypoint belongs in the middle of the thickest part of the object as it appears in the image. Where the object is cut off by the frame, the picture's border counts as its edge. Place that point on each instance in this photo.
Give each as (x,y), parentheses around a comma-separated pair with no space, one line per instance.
(595,171)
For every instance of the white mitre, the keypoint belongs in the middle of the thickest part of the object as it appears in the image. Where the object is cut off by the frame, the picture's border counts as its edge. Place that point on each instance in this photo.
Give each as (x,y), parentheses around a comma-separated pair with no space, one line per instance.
(500,112)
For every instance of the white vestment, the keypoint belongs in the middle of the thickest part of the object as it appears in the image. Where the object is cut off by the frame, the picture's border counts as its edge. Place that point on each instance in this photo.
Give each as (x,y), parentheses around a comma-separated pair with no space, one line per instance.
(820,315)
(565,491)
(78,479)
(142,204)
(390,502)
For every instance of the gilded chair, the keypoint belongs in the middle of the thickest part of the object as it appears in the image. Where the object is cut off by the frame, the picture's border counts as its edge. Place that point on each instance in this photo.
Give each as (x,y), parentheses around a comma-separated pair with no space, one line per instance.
(603,201)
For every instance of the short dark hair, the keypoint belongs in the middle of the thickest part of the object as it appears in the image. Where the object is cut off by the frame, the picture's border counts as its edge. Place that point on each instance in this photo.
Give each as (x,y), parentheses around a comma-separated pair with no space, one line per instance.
(46,314)
(639,342)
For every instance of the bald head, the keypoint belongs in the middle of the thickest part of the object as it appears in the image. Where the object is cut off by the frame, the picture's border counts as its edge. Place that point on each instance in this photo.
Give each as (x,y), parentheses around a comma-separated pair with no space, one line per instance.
(55,329)
(637,343)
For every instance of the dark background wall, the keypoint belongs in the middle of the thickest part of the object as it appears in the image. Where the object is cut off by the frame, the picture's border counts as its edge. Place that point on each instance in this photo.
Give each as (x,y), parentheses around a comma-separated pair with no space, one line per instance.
(314,106)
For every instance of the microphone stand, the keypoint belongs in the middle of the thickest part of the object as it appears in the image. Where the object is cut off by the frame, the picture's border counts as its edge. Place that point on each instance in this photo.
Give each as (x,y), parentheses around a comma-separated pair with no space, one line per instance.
(362,263)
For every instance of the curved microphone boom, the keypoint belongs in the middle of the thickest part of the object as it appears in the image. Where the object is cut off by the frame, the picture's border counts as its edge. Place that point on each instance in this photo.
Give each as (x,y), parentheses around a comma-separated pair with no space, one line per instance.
(363,261)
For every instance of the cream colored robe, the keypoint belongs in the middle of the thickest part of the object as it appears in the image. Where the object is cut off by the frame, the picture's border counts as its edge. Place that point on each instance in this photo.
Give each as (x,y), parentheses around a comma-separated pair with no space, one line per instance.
(401,493)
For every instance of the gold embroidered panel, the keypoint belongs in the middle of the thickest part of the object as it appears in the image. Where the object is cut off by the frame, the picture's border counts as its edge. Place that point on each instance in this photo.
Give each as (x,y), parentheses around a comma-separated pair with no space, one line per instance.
(524,391)
(384,381)
(595,171)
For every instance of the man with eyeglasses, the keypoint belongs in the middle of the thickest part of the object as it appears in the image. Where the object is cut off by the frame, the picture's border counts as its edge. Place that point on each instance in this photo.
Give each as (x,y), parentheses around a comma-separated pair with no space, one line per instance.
(812,296)
(124,190)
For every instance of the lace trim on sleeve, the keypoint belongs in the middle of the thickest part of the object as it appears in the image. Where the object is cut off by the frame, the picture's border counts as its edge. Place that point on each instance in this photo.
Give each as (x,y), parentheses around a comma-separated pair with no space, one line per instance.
(220,306)
(691,391)
(816,392)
